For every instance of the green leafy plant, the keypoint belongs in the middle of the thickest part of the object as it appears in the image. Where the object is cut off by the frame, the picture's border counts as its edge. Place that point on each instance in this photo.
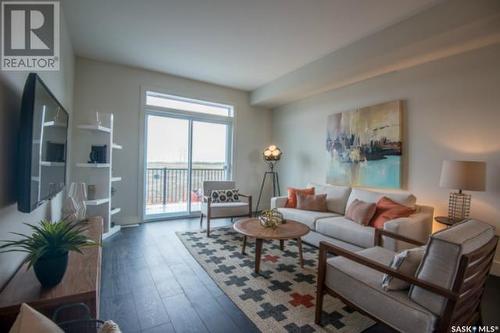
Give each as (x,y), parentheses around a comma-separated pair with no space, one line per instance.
(49,239)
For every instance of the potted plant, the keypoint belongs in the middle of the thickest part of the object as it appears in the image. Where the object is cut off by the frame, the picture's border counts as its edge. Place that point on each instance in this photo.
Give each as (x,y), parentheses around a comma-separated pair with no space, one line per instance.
(47,248)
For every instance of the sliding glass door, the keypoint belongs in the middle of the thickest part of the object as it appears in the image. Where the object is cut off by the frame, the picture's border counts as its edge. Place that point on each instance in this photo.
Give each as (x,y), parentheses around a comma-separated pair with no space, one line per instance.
(182,151)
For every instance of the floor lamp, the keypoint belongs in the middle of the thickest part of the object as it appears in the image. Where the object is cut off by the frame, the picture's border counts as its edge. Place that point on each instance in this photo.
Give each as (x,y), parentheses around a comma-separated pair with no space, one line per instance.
(272,155)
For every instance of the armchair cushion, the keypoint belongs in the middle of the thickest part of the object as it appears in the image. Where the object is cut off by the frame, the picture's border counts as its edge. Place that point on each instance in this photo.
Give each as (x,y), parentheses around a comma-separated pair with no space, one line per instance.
(231,195)
(441,260)
(346,230)
(406,262)
(361,286)
(306,217)
(225,209)
(210,185)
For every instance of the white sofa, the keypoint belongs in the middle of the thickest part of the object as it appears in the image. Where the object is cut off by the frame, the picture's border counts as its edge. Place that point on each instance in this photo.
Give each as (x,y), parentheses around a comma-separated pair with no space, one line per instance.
(333,227)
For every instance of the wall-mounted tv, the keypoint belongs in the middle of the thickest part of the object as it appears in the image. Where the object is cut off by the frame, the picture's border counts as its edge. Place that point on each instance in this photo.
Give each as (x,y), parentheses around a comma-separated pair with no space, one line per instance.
(42,151)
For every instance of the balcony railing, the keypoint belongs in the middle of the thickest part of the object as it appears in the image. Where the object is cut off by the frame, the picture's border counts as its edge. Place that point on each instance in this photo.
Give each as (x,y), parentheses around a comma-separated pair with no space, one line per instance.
(170,185)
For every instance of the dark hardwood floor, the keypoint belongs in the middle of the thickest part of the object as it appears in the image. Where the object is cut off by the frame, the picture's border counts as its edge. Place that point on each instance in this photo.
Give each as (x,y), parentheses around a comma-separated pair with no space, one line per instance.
(151,284)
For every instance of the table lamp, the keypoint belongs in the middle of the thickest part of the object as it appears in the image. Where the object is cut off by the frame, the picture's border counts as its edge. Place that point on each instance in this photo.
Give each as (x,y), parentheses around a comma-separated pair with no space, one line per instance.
(462,175)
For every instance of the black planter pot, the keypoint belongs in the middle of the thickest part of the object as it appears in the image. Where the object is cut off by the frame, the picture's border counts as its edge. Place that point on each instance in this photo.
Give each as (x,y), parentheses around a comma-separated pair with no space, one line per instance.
(50,270)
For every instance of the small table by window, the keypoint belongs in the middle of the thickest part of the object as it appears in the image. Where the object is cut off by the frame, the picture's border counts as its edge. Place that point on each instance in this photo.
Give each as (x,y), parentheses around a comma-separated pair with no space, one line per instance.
(446,220)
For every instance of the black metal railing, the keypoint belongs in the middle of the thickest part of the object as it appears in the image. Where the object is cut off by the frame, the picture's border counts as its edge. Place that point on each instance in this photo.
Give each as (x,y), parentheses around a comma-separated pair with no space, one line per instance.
(170,185)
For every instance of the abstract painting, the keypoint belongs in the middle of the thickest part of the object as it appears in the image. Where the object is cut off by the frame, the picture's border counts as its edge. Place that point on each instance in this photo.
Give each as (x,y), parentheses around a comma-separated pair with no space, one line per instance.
(364,146)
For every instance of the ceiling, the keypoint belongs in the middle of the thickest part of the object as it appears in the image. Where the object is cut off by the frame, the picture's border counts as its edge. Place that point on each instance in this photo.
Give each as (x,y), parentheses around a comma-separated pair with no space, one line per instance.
(237,43)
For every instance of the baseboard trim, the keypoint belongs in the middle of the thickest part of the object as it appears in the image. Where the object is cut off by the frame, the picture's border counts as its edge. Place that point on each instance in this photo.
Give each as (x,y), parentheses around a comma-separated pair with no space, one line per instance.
(495,269)
(129,225)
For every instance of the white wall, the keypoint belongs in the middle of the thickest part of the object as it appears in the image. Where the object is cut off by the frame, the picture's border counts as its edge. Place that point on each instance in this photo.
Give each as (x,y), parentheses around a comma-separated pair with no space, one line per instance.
(452,112)
(11,88)
(117,89)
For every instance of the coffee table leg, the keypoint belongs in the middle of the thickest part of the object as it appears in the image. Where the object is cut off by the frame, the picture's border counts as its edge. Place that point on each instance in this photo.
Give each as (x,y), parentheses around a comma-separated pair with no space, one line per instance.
(244,245)
(301,257)
(258,251)
(282,244)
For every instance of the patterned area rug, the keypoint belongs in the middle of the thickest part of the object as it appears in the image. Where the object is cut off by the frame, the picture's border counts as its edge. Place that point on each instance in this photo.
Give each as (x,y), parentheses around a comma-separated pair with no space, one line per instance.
(282,297)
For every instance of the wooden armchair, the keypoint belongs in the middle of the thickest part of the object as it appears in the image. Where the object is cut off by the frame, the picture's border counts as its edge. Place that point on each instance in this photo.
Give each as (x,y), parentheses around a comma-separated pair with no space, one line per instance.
(220,210)
(445,292)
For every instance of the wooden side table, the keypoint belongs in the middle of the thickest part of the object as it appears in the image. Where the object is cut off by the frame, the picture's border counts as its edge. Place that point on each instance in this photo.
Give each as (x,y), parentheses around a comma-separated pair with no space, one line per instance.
(80,284)
(446,220)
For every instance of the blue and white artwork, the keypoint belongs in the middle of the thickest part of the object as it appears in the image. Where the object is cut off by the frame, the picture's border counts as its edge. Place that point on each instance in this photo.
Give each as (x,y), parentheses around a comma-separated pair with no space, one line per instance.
(365,146)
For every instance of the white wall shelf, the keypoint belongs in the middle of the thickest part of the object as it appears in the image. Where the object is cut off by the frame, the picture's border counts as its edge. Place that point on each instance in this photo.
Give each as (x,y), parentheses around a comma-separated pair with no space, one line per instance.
(96,128)
(52,164)
(96,202)
(115,211)
(97,174)
(93,165)
(117,146)
(54,124)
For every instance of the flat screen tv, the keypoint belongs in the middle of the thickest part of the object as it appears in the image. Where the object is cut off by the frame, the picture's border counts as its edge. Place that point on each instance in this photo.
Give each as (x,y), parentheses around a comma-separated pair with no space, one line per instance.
(43,137)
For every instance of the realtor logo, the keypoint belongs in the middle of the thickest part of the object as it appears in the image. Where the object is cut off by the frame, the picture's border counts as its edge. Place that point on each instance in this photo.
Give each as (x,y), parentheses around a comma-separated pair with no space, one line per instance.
(30,36)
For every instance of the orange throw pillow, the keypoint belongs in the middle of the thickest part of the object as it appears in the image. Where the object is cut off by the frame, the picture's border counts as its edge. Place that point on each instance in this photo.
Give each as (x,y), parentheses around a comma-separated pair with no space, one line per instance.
(387,210)
(292,195)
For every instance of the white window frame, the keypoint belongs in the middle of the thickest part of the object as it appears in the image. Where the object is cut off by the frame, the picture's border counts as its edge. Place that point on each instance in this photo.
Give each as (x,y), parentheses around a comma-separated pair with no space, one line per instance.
(191,116)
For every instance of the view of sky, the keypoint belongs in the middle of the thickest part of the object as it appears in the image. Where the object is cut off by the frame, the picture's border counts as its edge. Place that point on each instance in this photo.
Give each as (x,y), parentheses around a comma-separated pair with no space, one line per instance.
(168,141)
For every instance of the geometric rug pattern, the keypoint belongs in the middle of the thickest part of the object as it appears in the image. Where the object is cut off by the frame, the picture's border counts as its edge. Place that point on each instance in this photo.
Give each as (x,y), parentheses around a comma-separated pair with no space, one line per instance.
(282,297)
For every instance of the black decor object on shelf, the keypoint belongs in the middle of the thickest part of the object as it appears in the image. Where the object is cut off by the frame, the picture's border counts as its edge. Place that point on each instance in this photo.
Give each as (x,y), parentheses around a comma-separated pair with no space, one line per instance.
(98,154)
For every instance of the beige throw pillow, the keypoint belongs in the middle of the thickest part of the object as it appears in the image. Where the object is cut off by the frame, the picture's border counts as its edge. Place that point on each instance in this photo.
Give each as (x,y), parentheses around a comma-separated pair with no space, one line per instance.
(31,321)
(361,212)
(406,262)
(312,202)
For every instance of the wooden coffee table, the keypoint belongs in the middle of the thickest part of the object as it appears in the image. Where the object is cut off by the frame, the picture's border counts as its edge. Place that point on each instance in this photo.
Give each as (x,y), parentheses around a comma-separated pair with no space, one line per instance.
(251,227)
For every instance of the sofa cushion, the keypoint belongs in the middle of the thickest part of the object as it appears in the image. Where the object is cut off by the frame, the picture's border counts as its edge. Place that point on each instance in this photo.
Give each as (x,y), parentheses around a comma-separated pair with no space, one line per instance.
(361,286)
(402,197)
(292,195)
(387,210)
(313,202)
(361,212)
(307,217)
(441,260)
(226,209)
(336,196)
(347,231)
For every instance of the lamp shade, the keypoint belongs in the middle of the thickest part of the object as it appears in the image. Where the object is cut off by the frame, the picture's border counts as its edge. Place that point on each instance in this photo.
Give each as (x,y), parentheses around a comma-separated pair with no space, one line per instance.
(463,175)
(272,153)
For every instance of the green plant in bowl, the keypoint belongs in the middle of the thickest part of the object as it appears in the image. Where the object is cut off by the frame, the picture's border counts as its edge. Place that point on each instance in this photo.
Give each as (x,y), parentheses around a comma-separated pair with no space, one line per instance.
(48,246)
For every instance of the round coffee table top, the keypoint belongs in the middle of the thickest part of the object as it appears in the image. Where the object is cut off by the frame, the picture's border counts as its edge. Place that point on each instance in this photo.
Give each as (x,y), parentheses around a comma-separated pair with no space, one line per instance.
(251,227)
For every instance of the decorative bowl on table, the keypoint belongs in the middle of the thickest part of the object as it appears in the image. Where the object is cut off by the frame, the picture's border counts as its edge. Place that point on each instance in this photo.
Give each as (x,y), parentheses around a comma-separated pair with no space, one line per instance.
(271,218)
